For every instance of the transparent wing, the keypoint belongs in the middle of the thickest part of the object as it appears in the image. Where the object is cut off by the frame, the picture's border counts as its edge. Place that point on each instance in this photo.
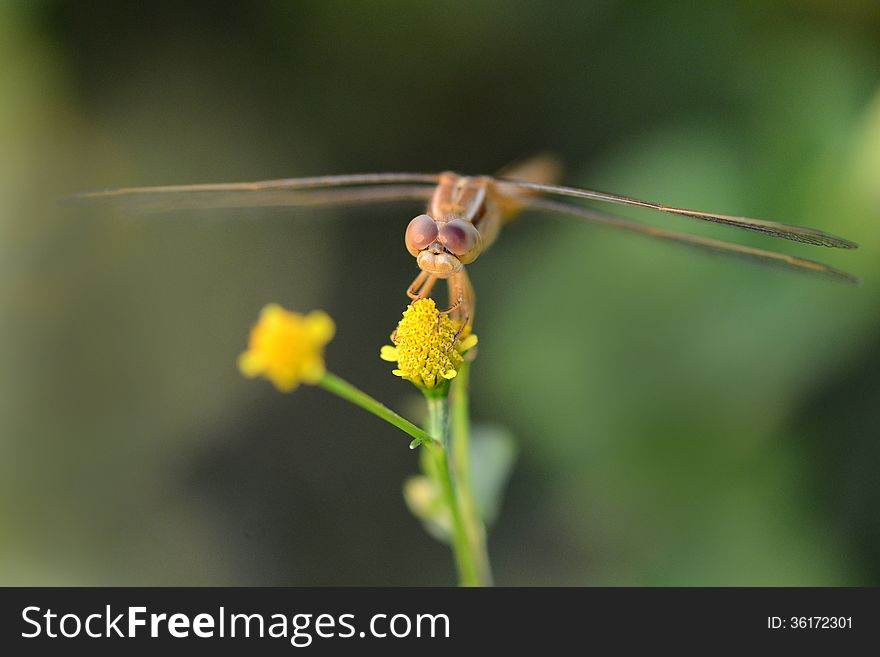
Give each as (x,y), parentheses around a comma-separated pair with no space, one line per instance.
(322,190)
(760,256)
(150,199)
(787,231)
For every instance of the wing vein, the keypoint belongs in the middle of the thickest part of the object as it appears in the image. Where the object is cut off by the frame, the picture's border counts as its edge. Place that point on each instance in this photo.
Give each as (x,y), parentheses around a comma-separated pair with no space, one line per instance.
(279,184)
(771,258)
(772,228)
(147,200)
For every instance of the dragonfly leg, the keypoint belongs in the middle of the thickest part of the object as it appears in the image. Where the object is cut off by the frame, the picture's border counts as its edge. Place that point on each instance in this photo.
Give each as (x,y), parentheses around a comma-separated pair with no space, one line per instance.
(455,306)
(411,291)
(421,286)
(457,334)
(459,304)
(461,297)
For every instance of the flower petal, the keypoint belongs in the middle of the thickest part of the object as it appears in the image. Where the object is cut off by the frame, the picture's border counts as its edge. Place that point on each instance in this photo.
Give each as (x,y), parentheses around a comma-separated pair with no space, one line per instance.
(388,353)
(250,364)
(320,326)
(468,343)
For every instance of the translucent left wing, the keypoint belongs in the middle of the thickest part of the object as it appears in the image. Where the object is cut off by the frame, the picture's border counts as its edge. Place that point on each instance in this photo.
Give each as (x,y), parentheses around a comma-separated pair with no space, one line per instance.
(352,189)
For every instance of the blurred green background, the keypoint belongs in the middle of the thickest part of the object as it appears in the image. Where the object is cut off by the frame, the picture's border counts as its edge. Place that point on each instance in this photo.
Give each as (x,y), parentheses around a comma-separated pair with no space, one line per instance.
(680,419)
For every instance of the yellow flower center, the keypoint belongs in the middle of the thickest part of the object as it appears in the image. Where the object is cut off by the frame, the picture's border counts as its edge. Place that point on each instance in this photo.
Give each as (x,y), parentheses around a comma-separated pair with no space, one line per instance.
(287,348)
(428,346)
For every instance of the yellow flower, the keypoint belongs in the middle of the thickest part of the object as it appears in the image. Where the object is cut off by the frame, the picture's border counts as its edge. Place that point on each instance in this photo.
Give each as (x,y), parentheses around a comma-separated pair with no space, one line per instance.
(428,345)
(287,348)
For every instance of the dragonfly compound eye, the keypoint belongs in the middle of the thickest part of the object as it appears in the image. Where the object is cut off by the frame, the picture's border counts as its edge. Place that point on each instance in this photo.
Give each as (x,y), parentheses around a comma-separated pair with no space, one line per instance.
(421,232)
(462,239)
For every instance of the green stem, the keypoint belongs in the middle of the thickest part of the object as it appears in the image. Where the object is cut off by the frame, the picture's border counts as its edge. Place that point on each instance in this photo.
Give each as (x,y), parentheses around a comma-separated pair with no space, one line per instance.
(461,462)
(466,564)
(344,389)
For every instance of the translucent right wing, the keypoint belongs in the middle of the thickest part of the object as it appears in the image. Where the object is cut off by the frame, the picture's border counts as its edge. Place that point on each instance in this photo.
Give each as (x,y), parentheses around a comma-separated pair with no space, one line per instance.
(771,258)
(323,190)
(772,228)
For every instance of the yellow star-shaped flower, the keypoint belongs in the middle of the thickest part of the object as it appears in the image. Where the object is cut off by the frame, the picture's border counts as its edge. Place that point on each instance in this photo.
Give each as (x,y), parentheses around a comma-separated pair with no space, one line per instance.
(287,348)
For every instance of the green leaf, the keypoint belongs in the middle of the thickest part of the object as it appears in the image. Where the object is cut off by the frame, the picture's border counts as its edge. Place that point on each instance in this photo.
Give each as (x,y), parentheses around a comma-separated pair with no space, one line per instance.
(493,455)
(425,500)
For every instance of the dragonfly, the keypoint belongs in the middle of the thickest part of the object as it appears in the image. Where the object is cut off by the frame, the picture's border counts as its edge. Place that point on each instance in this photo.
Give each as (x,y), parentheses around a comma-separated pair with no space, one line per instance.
(464,216)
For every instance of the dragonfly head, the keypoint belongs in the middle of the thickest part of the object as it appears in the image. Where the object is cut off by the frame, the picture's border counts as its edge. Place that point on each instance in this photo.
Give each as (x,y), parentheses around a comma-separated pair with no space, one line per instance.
(442,248)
